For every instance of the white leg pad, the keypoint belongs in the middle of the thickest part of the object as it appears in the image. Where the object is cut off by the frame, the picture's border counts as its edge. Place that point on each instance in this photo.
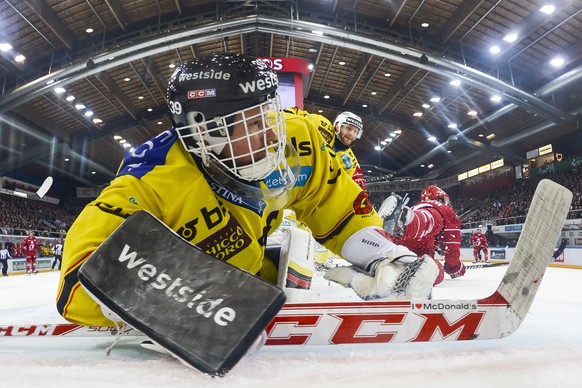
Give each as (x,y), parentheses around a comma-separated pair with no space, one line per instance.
(297,257)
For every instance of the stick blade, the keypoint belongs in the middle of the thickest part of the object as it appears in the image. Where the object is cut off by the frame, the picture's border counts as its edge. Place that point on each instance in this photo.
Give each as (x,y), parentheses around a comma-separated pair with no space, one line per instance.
(541,231)
(45,187)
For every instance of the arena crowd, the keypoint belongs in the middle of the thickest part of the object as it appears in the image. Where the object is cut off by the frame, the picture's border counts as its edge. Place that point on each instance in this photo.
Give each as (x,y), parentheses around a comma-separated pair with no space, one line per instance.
(499,202)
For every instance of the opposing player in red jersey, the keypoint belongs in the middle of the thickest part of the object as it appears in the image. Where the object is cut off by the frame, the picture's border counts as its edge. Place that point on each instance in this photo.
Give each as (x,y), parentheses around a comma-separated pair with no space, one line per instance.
(430,225)
(480,244)
(30,246)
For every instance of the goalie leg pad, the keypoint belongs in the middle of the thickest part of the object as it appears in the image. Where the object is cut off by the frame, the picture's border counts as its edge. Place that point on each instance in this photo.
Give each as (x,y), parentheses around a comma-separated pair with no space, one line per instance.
(370,244)
(392,280)
(296,262)
(202,310)
(417,278)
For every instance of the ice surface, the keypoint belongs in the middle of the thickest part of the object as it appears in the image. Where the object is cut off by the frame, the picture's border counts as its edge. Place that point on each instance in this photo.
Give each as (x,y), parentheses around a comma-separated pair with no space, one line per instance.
(546,351)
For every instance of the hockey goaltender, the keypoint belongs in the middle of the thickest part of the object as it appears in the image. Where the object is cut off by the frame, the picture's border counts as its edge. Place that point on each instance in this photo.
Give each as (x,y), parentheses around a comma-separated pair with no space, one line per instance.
(203,190)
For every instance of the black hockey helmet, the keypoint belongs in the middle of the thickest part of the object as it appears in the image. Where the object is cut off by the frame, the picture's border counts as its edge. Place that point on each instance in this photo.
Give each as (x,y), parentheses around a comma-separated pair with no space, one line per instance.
(218,85)
(212,96)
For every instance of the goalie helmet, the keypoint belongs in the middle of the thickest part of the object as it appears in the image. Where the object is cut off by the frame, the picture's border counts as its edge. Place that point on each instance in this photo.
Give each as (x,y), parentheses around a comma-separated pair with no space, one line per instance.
(435,193)
(348,118)
(226,112)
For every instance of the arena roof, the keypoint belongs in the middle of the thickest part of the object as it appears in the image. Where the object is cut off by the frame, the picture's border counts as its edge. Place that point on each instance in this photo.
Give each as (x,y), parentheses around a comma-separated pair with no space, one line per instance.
(391,62)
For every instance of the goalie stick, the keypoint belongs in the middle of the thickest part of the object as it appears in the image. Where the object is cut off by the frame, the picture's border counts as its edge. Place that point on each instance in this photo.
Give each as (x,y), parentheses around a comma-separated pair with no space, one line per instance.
(492,317)
(41,192)
(557,253)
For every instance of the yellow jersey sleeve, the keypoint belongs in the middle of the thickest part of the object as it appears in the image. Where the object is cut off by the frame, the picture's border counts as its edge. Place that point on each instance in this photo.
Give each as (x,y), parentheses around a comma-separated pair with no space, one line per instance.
(325,197)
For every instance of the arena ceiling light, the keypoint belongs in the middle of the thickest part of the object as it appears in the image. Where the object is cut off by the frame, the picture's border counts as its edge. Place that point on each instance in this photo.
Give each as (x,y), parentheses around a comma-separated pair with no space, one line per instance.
(510,38)
(557,61)
(495,49)
(548,9)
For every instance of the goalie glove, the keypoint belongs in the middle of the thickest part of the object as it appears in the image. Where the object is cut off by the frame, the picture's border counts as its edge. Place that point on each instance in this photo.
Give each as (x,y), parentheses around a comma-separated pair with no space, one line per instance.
(383,269)
(395,213)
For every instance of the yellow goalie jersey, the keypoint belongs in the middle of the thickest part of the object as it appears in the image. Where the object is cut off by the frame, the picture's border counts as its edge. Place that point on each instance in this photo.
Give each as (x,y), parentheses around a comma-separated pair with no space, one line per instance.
(165,180)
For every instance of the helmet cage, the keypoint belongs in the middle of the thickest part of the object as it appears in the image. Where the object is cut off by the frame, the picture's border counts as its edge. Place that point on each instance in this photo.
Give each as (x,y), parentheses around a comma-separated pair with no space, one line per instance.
(213,140)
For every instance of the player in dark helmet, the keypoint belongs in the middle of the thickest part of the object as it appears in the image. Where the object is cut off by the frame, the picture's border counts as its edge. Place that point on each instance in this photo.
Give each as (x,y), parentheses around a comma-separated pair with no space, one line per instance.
(199,179)
(226,112)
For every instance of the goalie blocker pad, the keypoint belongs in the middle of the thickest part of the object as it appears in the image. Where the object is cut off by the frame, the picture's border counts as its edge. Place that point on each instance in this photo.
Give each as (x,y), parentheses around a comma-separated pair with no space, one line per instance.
(204,311)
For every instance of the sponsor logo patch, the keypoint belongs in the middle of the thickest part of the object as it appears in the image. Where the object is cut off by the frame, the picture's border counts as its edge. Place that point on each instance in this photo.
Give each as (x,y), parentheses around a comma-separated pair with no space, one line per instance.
(258,85)
(347,161)
(274,180)
(362,204)
(444,306)
(174,287)
(354,122)
(227,242)
(219,75)
(202,93)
